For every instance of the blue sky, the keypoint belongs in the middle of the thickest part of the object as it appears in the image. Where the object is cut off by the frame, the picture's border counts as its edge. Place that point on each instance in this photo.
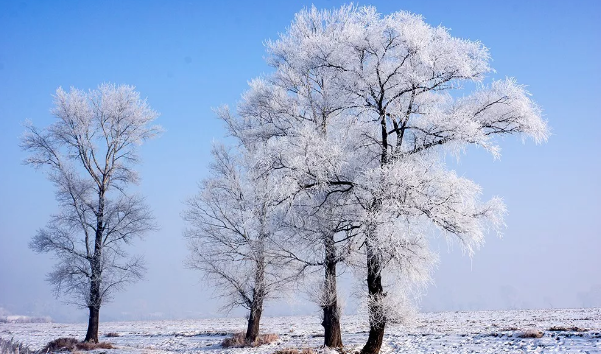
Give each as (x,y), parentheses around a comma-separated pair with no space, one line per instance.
(187,57)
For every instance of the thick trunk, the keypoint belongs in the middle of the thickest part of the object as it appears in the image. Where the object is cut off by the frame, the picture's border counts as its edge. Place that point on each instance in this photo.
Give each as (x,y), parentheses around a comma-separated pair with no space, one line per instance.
(92,334)
(377,317)
(254,319)
(331,311)
(331,324)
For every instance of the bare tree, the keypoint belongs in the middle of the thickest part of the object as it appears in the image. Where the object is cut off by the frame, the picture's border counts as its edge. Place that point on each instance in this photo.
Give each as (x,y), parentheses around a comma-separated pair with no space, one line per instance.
(233,220)
(88,154)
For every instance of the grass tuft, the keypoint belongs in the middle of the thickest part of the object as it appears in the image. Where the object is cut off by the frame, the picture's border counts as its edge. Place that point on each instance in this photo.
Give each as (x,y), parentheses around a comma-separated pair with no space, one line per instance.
(531,333)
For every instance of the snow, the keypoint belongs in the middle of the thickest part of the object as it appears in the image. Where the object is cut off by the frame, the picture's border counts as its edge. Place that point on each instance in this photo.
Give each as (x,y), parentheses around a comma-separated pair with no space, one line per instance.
(445,332)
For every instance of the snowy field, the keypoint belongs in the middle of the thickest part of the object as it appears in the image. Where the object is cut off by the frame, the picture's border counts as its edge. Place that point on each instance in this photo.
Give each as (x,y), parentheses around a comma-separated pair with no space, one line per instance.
(576,331)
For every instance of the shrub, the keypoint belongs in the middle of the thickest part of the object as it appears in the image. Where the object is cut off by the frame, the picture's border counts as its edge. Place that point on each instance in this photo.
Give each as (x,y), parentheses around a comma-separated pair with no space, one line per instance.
(238,340)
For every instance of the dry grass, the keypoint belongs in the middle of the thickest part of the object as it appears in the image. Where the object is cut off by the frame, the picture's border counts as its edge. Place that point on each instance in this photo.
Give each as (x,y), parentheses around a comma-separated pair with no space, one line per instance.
(60,344)
(12,347)
(92,346)
(295,351)
(531,333)
(567,329)
(72,344)
(112,335)
(238,340)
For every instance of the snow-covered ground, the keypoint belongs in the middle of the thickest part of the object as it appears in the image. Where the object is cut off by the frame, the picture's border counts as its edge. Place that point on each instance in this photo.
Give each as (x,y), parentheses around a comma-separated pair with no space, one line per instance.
(447,332)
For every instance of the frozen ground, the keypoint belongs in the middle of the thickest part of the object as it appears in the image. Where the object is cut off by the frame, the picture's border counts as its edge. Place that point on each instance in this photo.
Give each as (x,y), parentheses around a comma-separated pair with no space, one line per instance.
(447,332)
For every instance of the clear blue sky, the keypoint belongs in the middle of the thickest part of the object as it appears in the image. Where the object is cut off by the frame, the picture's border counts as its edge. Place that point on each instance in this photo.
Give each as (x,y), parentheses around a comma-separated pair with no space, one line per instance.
(187,57)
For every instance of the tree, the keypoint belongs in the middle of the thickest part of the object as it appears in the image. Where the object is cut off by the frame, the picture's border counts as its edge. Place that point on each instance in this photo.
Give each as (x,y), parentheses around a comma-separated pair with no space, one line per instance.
(233,220)
(394,82)
(297,106)
(88,154)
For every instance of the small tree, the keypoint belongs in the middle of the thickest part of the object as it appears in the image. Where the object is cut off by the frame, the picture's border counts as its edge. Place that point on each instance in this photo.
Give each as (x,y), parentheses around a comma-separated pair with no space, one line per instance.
(88,154)
(233,221)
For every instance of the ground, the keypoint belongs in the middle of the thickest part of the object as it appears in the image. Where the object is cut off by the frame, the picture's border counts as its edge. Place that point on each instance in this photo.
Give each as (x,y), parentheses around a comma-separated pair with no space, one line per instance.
(563,331)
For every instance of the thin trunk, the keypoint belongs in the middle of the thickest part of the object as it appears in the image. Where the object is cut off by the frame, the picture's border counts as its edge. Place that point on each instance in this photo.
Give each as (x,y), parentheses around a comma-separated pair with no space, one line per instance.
(95,298)
(331,311)
(377,318)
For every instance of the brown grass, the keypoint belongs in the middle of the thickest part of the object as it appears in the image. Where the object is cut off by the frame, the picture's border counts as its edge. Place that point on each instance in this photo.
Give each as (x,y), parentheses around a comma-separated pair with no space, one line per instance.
(112,335)
(531,333)
(295,351)
(92,346)
(567,329)
(238,340)
(71,344)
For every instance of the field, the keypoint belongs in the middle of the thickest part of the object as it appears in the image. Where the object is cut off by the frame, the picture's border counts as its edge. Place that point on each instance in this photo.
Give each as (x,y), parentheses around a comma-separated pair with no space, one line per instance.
(562,330)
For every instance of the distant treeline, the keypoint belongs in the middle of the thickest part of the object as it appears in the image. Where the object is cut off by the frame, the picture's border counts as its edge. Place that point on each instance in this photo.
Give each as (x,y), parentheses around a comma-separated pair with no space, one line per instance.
(24,319)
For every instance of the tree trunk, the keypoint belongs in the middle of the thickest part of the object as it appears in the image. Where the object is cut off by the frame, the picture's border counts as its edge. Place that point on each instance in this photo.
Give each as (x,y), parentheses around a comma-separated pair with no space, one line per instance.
(331,311)
(377,317)
(254,319)
(95,298)
(256,306)
(92,334)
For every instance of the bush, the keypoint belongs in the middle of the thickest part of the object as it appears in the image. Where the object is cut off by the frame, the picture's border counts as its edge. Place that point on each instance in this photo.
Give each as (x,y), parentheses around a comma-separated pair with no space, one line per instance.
(12,347)
(238,340)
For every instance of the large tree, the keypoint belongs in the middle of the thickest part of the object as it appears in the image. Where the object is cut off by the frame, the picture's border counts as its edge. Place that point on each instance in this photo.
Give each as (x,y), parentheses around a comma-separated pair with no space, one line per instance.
(397,88)
(88,153)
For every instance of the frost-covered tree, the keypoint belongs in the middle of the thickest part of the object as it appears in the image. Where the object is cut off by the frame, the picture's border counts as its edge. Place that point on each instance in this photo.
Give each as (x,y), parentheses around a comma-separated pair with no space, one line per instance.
(88,153)
(233,220)
(390,90)
(298,108)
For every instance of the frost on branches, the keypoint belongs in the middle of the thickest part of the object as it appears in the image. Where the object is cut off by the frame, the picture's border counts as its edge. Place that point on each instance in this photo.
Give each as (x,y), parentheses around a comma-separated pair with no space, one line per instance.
(354,122)
(233,222)
(88,154)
